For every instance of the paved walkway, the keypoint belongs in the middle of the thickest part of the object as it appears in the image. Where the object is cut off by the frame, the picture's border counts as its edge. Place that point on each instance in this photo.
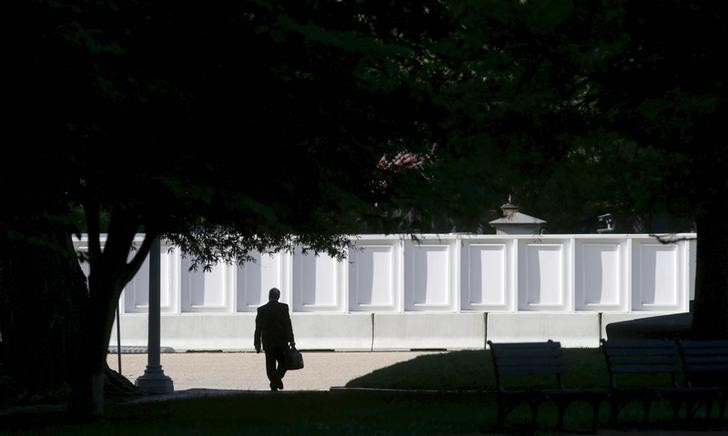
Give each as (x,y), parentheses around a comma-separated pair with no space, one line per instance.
(246,371)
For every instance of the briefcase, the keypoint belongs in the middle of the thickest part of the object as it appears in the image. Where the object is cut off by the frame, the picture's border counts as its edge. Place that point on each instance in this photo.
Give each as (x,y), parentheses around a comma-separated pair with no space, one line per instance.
(294,359)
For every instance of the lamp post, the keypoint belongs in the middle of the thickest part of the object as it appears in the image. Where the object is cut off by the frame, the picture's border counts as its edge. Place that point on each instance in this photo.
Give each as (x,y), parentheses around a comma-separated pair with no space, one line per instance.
(154,381)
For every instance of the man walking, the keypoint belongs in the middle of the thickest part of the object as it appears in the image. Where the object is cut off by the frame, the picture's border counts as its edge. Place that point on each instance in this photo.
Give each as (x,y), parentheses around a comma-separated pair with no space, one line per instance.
(273,329)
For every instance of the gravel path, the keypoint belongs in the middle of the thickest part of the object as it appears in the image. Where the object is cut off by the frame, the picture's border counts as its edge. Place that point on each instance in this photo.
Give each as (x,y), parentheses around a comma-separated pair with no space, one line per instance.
(246,371)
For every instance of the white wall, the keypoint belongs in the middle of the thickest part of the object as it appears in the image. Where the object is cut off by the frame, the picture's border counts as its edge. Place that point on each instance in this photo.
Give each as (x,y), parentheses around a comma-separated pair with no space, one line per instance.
(531,287)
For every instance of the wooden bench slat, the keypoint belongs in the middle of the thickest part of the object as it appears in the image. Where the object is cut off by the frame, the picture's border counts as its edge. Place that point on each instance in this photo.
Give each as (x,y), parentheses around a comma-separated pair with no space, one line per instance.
(537,360)
(667,357)
(705,352)
(550,365)
(703,344)
(640,343)
(501,354)
(531,345)
(707,368)
(641,351)
(643,360)
(645,369)
(527,360)
(523,350)
(696,360)
(708,356)
(531,370)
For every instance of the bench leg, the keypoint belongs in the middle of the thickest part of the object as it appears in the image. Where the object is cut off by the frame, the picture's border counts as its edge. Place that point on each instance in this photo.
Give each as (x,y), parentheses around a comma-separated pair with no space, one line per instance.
(505,406)
(691,408)
(614,407)
(561,407)
(676,409)
(595,415)
(708,408)
(534,413)
(501,417)
(647,407)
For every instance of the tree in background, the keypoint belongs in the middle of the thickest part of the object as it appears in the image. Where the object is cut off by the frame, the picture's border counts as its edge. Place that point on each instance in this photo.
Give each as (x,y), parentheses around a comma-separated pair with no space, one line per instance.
(579,108)
(657,83)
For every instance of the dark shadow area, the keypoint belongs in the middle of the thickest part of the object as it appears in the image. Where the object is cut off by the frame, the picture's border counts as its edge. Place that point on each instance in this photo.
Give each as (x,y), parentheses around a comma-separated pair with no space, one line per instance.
(473,370)
(336,413)
(675,326)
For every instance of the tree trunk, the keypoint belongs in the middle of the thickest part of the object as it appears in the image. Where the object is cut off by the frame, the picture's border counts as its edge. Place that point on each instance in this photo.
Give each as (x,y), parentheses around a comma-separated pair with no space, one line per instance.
(41,290)
(98,320)
(710,313)
(109,273)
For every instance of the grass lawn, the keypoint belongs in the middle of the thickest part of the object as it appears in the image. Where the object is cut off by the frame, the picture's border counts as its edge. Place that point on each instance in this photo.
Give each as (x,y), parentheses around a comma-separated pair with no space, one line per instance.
(469,411)
(473,370)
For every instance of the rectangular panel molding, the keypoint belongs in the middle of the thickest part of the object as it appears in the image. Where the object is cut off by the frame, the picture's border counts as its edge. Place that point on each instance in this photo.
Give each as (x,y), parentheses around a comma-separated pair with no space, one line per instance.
(207,291)
(374,275)
(543,275)
(431,275)
(659,276)
(256,278)
(317,282)
(601,275)
(486,268)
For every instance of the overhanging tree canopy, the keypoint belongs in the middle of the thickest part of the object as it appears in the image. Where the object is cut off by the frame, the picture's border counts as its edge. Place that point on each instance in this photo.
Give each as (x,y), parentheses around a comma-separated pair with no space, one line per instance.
(223,126)
(230,126)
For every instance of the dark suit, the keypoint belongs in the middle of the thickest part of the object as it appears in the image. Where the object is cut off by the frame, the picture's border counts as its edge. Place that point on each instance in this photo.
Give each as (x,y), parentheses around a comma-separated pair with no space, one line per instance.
(273,330)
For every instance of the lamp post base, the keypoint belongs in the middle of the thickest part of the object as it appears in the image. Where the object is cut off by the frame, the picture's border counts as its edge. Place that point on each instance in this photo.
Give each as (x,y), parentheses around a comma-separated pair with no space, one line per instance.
(154,381)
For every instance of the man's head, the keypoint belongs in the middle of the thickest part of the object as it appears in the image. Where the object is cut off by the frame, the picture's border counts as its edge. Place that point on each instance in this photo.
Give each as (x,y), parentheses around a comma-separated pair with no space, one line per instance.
(274,294)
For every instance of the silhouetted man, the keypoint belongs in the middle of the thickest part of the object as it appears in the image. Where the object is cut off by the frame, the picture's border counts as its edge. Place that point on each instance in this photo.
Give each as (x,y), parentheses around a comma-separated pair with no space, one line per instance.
(273,328)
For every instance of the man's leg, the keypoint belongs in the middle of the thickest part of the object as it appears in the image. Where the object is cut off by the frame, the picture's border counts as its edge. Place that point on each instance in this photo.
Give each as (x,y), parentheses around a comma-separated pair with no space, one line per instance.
(270,369)
(281,371)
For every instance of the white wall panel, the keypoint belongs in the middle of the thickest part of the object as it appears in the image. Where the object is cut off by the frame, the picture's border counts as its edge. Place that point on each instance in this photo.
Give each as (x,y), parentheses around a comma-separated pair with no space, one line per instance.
(340,331)
(405,331)
(374,276)
(486,273)
(600,275)
(542,276)
(433,273)
(256,278)
(575,329)
(136,292)
(207,290)
(656,277)
(169,272)
(317,282)
(429,275)
(692,247)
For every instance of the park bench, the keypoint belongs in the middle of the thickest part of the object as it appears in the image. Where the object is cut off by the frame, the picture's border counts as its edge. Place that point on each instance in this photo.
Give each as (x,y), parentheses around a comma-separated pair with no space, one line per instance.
(705,367)
(637,359)
(514,361)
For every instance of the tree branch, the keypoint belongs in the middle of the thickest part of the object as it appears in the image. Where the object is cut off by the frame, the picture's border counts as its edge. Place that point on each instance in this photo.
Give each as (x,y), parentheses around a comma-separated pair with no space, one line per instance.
(133,266)
(670,238)
(91,211)
(123,227)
